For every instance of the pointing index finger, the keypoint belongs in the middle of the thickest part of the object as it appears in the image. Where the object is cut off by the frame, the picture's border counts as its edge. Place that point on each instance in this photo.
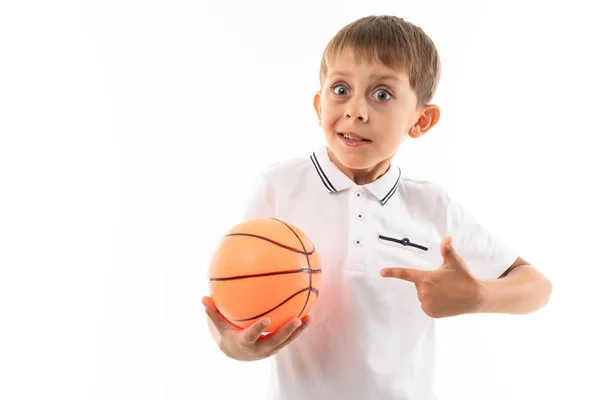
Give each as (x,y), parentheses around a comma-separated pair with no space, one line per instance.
(407,274)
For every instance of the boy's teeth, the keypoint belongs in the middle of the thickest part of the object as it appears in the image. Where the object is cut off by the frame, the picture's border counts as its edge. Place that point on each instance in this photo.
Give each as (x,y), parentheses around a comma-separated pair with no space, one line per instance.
(352,138)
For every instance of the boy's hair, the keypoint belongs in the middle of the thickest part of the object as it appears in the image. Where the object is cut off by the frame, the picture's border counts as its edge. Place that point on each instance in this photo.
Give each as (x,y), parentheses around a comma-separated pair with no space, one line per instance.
(396,43)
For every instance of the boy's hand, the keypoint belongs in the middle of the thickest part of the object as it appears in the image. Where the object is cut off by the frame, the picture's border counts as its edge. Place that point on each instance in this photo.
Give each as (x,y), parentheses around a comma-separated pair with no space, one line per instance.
(249,344)
(450,290)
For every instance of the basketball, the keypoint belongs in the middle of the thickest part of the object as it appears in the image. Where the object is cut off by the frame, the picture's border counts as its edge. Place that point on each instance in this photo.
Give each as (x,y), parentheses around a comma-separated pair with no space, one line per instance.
(264,267)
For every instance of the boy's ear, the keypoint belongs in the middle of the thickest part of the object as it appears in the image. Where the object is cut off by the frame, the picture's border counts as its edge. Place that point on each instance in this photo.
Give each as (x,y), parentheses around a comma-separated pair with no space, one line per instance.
(317,105)
(430,115)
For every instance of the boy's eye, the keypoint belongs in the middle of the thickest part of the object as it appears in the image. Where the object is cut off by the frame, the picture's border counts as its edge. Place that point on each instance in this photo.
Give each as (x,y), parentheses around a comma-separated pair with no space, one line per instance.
(382,95)
(340,90)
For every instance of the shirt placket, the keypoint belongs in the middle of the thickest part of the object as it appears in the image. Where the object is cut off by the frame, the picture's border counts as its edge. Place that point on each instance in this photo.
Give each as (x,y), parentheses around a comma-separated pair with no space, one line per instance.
(357,257)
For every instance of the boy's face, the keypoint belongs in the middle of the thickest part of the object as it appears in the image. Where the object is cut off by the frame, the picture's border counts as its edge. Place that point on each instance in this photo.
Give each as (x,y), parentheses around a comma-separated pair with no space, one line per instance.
(372,102)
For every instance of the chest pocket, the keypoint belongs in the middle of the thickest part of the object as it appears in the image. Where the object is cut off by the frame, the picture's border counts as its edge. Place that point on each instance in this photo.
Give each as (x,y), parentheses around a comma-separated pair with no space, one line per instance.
(417,246)
(408,249)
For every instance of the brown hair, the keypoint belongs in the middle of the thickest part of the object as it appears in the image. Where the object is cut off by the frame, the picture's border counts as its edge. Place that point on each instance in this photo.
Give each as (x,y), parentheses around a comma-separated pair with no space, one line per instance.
(397,44)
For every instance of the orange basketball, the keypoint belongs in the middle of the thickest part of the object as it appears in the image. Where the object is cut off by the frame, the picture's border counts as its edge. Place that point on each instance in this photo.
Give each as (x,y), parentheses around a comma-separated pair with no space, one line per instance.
(264,268)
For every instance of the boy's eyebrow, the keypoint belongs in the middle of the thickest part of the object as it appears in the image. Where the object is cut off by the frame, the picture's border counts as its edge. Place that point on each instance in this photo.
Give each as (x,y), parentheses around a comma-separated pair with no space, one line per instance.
(389,77)
(341,73)
(386,78)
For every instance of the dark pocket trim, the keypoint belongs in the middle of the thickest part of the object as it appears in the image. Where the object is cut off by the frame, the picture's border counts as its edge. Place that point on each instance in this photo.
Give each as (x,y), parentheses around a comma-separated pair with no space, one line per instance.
(404,242)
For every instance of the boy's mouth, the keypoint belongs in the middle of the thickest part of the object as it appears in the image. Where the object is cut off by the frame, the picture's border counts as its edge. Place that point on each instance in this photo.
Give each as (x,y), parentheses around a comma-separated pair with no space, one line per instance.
(352,137)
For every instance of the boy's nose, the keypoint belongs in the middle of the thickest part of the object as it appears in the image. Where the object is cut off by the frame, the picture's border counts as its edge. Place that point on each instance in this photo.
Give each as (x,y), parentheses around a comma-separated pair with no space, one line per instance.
(358,114)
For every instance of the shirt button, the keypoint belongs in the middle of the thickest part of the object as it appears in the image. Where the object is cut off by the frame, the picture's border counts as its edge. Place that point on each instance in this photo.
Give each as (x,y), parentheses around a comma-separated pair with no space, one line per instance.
(358,194)
(357,242)
(360,217)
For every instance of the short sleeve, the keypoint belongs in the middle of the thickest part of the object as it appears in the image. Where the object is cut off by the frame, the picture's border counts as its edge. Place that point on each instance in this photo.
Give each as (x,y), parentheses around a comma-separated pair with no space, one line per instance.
(261,201)
(485,254)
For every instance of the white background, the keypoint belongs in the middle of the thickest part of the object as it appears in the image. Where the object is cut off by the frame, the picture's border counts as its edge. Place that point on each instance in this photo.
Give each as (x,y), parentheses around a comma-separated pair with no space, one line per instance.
(130,135)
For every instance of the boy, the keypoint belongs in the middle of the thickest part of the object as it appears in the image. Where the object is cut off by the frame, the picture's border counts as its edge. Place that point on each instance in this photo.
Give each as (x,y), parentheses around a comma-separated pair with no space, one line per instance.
(395,252)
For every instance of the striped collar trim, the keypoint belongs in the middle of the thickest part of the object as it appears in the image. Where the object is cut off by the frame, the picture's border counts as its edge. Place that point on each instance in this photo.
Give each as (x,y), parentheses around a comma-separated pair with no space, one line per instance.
(335,181)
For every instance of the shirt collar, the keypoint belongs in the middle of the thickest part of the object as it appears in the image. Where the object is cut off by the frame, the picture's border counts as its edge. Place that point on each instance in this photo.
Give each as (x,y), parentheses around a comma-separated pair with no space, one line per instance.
(335,181)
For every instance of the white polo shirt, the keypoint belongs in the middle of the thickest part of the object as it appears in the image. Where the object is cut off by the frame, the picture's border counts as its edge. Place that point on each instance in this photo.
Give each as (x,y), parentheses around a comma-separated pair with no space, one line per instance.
(369,338)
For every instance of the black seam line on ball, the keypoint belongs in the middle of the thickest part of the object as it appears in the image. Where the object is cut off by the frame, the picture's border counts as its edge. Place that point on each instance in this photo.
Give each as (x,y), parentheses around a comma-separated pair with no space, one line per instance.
(278,305)
(272,241)
(292,271)
(309,266)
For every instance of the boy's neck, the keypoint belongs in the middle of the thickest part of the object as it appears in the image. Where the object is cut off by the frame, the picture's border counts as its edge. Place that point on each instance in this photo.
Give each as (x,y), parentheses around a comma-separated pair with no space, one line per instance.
(362,176)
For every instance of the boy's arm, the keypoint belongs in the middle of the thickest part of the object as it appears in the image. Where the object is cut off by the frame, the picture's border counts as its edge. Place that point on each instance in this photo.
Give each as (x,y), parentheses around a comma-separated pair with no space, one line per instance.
(520,290)
(453,289)
(475,277)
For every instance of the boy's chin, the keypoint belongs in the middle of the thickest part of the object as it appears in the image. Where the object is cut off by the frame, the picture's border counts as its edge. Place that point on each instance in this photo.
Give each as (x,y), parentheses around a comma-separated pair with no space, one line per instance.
(353,161)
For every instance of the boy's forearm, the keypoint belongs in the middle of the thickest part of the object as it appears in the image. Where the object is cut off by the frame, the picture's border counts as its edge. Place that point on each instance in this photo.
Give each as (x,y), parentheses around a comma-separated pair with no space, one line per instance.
(523,290)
